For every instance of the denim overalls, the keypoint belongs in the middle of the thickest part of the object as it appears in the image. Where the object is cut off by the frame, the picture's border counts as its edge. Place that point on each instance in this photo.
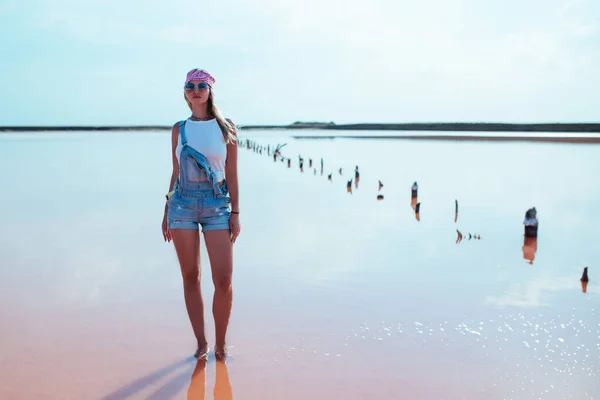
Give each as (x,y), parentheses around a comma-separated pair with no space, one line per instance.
(198,198)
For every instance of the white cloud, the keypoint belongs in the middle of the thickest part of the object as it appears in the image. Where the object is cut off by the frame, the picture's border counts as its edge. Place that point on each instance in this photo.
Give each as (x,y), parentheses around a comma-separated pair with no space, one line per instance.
(579,18)
(586,30)
(112,22)
(456,59)
(569,5)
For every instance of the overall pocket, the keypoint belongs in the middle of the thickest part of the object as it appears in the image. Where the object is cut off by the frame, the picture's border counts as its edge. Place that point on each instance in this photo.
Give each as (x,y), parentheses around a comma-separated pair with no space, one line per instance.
(181,207)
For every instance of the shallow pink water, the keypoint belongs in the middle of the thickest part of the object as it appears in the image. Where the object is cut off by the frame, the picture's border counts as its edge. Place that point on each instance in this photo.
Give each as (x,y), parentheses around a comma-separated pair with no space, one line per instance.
(336,295)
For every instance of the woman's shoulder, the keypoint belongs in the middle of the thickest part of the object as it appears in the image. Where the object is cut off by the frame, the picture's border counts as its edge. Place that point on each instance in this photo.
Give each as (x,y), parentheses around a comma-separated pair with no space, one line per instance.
(176,127)
(177,124)
(175,131)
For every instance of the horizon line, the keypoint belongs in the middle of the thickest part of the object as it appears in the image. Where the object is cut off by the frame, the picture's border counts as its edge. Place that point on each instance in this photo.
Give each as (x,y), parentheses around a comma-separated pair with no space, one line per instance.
(564,127)
(322,122)
(329,123)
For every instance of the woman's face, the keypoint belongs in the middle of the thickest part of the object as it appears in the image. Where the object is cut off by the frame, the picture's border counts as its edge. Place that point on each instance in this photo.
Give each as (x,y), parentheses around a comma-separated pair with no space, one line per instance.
(197,91)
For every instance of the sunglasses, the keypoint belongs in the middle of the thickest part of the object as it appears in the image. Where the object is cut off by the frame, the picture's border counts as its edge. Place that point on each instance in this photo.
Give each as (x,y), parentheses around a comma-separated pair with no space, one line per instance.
(190,86)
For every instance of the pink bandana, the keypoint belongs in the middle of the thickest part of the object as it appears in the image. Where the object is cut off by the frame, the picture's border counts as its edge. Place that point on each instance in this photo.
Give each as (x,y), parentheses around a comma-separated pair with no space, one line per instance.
(201,75)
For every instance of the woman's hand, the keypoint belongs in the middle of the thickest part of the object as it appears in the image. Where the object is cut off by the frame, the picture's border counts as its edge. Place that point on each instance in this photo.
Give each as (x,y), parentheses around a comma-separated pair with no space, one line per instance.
(234,226)
(165,229)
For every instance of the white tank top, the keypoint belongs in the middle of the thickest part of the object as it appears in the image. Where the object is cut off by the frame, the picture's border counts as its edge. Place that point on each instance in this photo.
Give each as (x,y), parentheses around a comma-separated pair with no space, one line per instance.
(207,138)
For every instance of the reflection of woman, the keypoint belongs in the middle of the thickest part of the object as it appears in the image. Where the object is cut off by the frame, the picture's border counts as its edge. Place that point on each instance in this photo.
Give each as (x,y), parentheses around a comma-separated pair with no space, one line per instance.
(197,387)
(204,192)
(222,388)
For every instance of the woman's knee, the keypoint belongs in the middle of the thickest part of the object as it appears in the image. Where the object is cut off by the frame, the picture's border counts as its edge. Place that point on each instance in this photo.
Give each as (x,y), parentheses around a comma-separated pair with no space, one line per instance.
(223,283)
(191,277)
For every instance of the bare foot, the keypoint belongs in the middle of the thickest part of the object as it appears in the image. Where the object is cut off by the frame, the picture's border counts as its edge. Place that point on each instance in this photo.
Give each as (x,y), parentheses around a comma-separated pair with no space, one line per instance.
(202,352)
(221,353)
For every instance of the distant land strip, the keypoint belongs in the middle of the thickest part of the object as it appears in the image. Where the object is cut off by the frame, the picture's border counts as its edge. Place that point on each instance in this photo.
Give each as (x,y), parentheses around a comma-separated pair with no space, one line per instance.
(442,126)
(82,128)
(558,138)
(425,126)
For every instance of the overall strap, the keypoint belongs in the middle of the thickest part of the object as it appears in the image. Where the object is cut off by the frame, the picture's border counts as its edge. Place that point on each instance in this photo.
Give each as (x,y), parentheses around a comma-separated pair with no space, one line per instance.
(182,133)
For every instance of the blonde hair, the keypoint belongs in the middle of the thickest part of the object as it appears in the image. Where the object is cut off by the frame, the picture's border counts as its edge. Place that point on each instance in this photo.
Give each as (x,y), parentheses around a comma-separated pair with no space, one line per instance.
(226,125)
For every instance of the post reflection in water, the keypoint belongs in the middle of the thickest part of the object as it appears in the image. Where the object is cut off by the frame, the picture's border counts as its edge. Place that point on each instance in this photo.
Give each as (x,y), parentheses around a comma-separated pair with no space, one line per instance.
(222,388)
(584,286)
(459,237)
(529,248)
(417,207)
(380,195)
(414,194)
(584,280)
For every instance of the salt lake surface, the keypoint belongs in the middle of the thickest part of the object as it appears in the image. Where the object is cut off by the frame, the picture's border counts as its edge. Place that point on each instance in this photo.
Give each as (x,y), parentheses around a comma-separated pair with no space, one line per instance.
(336,295)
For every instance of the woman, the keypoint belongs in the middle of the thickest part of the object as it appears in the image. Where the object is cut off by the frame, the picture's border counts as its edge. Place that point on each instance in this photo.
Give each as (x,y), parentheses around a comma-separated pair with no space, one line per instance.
(204,191)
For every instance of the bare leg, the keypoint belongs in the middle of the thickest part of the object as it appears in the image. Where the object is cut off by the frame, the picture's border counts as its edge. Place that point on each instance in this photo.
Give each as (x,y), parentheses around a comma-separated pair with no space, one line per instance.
(187,245)
(220,252)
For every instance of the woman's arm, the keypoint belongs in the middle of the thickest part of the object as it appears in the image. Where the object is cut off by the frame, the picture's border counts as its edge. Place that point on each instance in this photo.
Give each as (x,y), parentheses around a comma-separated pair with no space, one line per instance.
(231,173)
(175,173)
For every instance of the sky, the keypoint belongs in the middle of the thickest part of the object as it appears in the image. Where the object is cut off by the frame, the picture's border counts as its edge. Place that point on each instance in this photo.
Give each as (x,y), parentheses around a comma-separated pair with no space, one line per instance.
(109,62)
